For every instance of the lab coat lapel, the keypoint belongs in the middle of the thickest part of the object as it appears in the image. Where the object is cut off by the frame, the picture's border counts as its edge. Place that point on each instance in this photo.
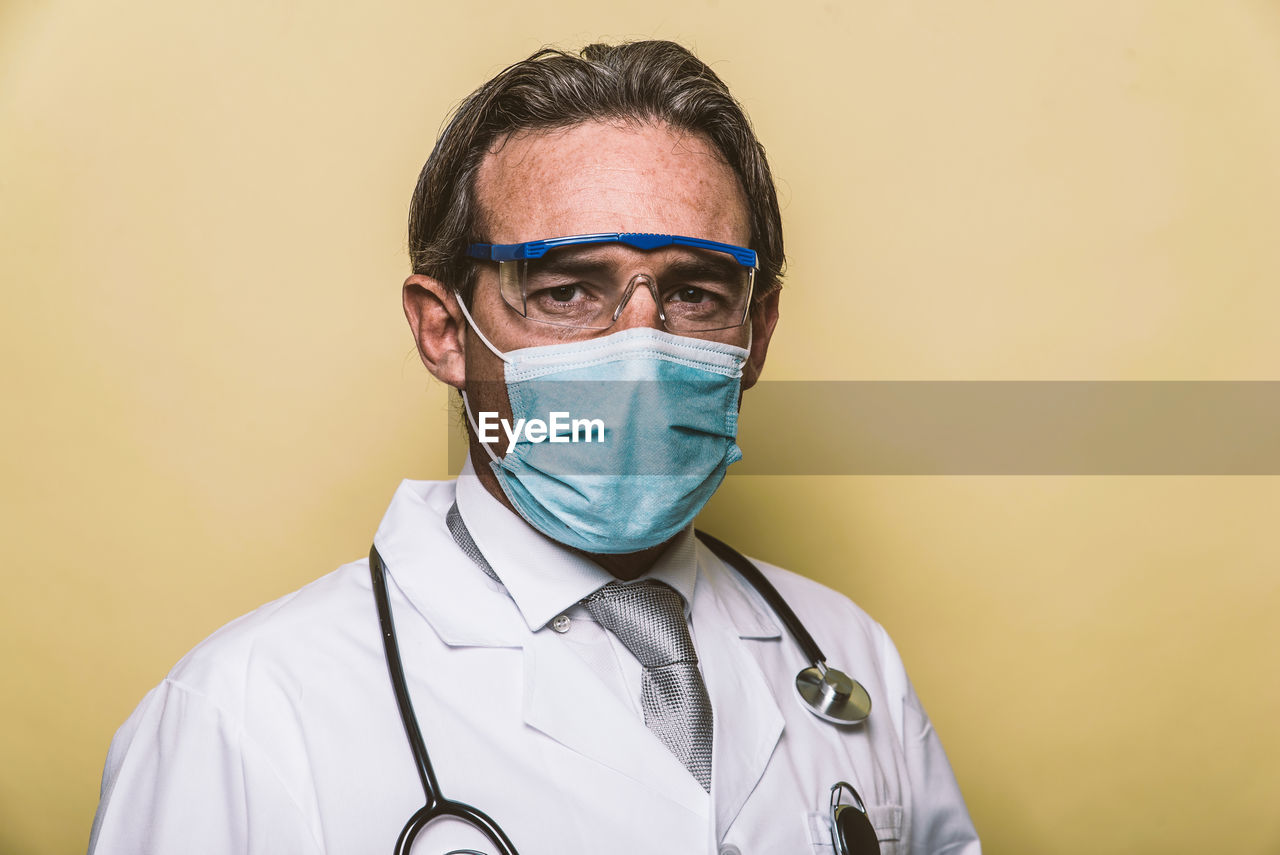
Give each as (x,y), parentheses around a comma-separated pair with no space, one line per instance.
(748,723)
(569,703)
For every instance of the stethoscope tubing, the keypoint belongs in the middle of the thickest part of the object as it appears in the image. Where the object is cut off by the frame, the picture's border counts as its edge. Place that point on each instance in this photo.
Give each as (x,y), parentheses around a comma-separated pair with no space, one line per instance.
(764,587)
(436,804)
(477,819)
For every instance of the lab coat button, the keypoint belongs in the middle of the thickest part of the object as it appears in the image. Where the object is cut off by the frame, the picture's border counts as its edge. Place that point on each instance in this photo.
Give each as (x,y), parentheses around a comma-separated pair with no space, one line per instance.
(561,623)
(730,849)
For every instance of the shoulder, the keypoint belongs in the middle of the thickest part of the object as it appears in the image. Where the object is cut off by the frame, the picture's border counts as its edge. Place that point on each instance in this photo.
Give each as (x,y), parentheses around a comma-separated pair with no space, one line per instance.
(287,646)
(277,638)
(823,603)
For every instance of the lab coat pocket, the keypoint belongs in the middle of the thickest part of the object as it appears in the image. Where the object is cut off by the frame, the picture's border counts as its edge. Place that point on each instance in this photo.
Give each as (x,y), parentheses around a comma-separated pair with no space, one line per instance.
(817,828)
(885,819)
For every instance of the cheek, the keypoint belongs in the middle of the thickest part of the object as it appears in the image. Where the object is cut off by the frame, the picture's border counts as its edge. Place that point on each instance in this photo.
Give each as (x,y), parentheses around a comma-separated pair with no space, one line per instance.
(486,385)
(761,333)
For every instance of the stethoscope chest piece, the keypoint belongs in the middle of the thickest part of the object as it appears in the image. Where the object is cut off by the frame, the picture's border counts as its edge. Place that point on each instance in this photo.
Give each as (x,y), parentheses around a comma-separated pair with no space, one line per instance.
(832,695)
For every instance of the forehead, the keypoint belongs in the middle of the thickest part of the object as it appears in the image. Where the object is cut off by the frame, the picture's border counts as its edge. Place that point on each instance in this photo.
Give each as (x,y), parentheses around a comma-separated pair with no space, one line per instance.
(604,177)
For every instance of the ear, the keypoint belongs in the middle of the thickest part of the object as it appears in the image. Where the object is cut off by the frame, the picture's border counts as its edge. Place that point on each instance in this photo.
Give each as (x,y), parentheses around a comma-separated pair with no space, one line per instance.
(764,317)
(438,328)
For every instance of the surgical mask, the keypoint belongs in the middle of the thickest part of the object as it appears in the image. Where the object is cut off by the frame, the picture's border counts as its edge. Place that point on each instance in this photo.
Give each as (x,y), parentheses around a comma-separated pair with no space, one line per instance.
(661,417)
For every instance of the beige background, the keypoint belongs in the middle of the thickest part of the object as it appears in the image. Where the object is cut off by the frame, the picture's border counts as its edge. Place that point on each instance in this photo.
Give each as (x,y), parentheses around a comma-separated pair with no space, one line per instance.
(209,392)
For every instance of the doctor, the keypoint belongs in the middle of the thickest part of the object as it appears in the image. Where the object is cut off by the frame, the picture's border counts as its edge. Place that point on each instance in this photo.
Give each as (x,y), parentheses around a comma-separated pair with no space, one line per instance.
(594,236)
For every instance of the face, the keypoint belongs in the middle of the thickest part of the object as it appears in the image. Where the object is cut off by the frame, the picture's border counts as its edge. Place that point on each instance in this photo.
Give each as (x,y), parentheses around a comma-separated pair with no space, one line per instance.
(590,178)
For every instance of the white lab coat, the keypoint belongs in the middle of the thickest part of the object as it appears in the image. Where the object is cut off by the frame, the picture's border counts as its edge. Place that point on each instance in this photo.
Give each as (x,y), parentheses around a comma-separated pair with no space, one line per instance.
(279,734)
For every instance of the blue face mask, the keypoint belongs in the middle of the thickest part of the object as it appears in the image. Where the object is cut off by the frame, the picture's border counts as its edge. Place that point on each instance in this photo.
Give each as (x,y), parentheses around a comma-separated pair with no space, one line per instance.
(660,414)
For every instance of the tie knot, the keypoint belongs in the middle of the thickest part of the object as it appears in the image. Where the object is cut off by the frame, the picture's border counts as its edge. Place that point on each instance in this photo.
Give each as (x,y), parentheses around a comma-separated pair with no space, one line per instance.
(647,617)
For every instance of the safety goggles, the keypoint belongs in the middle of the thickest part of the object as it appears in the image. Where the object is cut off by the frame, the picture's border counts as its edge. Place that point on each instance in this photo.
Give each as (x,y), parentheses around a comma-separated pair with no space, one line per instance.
(585,281)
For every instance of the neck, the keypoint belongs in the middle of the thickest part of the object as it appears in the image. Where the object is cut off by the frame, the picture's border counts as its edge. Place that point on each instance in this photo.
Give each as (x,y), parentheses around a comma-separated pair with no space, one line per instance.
(628,565)
(625,566)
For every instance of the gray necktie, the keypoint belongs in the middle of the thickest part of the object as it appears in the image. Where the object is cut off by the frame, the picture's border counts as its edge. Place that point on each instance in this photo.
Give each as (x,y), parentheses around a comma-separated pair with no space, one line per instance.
(648,617)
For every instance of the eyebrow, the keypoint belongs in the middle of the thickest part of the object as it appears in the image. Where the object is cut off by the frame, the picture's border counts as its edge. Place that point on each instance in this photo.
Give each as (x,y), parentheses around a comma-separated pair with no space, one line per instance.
(574,263)
(702,266)
(595,261)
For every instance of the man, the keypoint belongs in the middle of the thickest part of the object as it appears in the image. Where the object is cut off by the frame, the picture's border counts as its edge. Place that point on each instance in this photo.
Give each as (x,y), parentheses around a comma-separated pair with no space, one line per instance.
(596,248)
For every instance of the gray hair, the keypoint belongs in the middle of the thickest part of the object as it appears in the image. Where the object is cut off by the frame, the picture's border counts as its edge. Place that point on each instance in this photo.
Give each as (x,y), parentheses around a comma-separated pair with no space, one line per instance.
(637,81)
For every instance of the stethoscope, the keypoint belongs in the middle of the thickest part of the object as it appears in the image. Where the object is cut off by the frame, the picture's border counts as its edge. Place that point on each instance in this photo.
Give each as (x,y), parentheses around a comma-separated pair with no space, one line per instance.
(829,694)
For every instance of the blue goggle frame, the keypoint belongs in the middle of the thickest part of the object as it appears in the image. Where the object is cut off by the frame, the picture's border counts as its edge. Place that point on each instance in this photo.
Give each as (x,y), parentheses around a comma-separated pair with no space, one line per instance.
(637,240)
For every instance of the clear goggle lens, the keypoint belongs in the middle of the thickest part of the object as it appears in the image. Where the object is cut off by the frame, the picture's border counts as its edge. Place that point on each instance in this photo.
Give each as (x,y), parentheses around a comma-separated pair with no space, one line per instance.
(587,287)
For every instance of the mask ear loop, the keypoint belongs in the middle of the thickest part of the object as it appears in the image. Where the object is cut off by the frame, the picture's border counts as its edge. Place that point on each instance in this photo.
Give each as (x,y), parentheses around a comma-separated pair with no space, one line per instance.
(466,407)
(471,322)
(466,404)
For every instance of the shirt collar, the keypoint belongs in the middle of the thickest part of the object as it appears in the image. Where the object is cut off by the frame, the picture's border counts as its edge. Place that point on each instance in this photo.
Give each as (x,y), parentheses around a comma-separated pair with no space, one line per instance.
(678,566)
(543,577)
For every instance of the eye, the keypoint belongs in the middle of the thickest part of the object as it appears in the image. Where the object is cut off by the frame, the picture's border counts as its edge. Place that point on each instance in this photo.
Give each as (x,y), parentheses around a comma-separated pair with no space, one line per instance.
(561,293)
(690,295)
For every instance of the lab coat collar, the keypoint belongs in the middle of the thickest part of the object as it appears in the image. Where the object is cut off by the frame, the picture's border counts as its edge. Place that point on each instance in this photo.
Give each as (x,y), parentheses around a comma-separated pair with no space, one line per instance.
(745,608)
(748,723)
(463,605)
